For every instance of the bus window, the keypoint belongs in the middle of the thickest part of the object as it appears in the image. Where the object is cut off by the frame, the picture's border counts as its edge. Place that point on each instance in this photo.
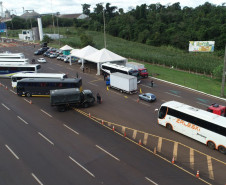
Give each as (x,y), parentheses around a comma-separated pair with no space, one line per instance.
(162,112)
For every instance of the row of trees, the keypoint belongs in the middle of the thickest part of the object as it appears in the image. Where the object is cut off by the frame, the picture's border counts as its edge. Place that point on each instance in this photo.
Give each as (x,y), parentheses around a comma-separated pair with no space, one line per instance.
(156,24)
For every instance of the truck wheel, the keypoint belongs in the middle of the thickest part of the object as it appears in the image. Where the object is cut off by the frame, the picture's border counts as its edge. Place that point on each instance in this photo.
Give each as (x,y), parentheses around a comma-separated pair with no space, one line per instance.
(86,105)
(61,108)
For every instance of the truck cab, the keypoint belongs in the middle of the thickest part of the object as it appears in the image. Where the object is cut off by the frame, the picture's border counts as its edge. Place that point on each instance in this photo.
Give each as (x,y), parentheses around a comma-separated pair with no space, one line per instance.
(143,72)
(217,109)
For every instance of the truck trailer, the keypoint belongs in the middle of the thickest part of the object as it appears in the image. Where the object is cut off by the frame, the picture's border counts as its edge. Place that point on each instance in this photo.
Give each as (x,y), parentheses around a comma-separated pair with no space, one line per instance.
(64,99)
(123,82)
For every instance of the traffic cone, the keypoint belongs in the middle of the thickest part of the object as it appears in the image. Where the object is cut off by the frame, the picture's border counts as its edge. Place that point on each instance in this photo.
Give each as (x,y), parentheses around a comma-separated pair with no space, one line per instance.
(125,134)
(102,122)
(89,115)
(140,90)
(173,161)
(6,87)
(30,102)
(197,174)
(140,142)
(113,128)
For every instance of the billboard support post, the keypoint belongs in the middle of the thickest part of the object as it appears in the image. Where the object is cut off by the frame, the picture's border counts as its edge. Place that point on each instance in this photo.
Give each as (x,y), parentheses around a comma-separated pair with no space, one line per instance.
(223,76)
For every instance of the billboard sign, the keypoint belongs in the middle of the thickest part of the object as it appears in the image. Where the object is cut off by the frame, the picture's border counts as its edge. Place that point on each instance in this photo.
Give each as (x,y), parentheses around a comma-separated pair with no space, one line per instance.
(201,46)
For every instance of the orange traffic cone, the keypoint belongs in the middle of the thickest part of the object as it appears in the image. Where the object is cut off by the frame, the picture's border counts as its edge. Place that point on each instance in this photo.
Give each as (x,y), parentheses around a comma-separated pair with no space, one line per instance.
(102,122)
(197,174)
(173,161)
(140,142)
(113,128)
(125,134)
(6,87)
(89,115)
(30,102)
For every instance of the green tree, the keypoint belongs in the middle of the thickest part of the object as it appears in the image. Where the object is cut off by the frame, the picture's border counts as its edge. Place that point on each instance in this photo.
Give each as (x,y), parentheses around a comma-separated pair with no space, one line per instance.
(86,9)
(86,40)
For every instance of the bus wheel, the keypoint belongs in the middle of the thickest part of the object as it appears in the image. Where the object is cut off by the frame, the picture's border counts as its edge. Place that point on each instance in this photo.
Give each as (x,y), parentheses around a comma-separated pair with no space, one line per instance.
(222,149)
(168,126)
(211,145)
(28,94)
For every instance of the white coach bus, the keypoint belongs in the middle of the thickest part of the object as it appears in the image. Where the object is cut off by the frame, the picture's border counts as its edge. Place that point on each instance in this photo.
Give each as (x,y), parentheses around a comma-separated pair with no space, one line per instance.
(12,56)
(19,76)
(200,125)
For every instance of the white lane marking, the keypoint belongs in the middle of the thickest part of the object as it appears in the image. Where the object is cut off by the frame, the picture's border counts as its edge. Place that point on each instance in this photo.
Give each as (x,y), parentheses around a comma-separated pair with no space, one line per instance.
(5,106)
(51,68)
(13,91)
(203,104)
(22,120)
(12,151)
(46,113)
(36,178)
(173,94)
(81,166)
(26,100)
(107,152)
(151,181)
(146,86)
(71,129)
(93,84)
(46,138)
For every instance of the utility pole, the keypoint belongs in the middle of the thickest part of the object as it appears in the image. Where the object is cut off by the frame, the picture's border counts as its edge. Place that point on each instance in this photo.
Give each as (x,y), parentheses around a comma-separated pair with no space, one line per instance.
(224,73)
(104,30)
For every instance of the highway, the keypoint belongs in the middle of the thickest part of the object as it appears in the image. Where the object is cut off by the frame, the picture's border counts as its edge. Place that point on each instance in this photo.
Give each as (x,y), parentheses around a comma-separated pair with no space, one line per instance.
(37,148)
(60,134)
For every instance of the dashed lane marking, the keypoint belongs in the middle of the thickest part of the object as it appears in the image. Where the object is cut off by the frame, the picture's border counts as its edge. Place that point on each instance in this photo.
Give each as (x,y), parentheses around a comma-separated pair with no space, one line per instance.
(173,94)
(5,106)
(107,153)
(81,166)
(12,152)
(46,113)
(71,129)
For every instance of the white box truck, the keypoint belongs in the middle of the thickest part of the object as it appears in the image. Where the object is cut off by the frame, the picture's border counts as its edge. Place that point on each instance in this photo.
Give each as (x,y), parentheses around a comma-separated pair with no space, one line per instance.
(123,82)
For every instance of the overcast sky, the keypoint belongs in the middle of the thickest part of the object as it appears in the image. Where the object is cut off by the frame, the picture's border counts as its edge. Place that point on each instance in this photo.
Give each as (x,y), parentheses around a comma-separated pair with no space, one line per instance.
(74,6)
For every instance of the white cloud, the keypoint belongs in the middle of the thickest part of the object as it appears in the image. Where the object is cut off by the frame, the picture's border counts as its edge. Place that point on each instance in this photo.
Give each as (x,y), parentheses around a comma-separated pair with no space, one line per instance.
(72,6)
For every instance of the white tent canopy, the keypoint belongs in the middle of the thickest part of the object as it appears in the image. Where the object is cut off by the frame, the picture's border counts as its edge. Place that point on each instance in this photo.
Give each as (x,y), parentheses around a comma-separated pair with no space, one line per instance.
(103,56)
(84,52)
(66,47)
(74,50)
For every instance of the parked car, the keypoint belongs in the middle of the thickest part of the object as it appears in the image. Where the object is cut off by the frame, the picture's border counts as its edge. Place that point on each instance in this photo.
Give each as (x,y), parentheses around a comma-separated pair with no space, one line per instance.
(53,55)
(59,57)
(63,57)
(149,97)
(73,59)
(41,60)
(41,51)
(46,53)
